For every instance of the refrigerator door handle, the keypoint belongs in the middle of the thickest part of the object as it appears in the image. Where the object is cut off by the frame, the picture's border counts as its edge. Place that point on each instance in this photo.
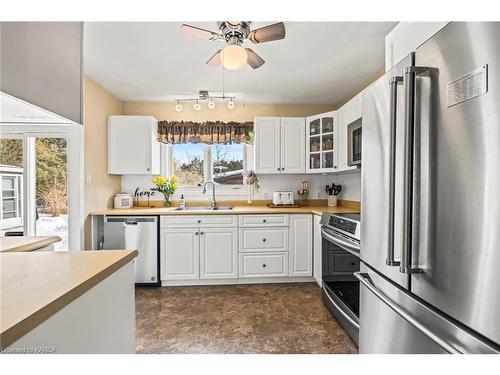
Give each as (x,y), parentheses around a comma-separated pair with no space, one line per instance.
(394,82)
(365,280)
(410,75)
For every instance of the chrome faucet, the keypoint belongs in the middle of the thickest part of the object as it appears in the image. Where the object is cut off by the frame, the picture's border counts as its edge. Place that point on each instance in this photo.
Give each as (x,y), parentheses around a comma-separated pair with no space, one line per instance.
(213,203)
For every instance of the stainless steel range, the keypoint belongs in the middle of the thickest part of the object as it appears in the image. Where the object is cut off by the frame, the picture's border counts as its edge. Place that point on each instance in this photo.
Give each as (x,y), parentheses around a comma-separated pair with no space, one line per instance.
(340,259)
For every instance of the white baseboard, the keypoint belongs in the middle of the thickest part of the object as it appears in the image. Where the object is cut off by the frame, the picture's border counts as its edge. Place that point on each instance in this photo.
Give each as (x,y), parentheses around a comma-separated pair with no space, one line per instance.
(263,280)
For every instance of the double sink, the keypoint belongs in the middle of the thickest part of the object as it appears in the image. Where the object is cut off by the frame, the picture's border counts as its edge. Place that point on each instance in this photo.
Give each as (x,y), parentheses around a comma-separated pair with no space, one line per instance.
(203,208)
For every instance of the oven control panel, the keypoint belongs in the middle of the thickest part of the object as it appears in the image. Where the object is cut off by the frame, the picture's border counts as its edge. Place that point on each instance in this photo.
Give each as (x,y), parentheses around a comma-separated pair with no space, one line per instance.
(343,224)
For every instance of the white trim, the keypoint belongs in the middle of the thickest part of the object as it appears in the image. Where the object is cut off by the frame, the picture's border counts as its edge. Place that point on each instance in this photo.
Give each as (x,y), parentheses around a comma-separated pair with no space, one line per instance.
(260,280)
(166,169)
(74,134)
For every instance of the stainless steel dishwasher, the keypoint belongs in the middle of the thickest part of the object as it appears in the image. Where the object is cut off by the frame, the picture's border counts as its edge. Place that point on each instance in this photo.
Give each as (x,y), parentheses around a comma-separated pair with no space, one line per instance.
(136,233)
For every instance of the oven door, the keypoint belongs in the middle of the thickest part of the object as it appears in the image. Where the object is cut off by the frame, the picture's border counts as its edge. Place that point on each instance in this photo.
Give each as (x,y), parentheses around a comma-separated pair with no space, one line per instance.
(340,259)
(354,143)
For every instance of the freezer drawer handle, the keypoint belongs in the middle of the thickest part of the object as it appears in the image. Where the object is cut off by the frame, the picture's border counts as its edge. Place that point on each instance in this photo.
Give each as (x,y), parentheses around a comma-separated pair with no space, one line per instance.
(364,278)
(394,82)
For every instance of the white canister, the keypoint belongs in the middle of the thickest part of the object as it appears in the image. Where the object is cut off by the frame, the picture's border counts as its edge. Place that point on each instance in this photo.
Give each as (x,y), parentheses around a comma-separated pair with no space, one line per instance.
(123,200)
(332,201)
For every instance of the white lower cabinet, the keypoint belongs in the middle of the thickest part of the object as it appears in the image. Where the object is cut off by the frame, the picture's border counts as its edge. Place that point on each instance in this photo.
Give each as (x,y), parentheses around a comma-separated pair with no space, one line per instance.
(180,254)
(300,248)
(317,254)
(263,265)
(194,249)
(218,253)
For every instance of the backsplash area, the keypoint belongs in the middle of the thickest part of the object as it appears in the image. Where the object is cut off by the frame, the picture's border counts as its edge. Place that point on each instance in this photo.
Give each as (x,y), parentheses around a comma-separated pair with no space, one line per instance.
(351,186)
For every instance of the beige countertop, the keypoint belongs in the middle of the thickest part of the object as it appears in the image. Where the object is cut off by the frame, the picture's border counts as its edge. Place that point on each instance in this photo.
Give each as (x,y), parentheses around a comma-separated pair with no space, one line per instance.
(26,243)
(237,210)
(34,286)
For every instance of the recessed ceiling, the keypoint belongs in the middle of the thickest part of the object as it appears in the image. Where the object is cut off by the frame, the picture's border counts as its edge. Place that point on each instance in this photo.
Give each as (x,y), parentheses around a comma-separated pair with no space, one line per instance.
(317,62)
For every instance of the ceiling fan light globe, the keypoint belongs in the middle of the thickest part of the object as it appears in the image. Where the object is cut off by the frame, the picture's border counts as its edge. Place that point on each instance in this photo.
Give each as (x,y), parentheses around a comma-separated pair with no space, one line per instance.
(230,104)
(234,57)
(196,106)
(211,104)
(178,107)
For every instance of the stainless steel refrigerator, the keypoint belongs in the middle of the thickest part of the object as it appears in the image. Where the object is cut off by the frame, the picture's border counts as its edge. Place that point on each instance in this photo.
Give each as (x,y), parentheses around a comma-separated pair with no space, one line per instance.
(430,220)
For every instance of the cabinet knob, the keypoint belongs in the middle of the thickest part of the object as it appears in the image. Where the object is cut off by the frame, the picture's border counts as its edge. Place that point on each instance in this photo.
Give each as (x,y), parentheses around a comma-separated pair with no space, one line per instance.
(278,169)
(263,220)
(202,233)
(195,233)
(353,263)
(199,221)
(264,265)
(148,169)
(263,240)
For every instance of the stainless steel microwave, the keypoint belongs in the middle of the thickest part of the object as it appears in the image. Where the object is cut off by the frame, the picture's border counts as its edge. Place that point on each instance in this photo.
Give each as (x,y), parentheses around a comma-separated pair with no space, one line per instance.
(354,143)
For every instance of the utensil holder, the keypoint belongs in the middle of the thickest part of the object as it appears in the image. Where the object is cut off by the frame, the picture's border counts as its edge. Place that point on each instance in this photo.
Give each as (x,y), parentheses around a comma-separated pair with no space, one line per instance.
(332,201)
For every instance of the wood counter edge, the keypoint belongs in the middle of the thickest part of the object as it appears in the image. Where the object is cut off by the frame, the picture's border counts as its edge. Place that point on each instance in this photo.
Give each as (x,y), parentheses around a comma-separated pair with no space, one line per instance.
(14,333)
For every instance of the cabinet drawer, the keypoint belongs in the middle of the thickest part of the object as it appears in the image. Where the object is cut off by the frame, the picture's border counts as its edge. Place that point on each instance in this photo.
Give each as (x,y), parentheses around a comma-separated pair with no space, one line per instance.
(263,239)
(263,265)
(267,220)
(206,221)
(345,263)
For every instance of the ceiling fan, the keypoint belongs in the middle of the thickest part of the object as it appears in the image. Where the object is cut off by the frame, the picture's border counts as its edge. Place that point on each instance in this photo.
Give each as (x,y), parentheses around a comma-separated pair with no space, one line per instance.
(234,33)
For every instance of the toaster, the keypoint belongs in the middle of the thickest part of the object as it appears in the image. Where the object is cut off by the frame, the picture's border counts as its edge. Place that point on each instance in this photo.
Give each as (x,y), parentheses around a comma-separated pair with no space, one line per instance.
(282,197)
(123,200)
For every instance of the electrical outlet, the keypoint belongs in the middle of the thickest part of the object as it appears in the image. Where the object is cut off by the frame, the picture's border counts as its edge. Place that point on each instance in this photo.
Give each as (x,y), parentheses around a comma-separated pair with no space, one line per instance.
(89,178)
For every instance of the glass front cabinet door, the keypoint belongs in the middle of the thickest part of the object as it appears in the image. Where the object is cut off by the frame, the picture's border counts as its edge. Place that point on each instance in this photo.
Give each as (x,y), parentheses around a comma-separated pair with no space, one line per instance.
(321,134)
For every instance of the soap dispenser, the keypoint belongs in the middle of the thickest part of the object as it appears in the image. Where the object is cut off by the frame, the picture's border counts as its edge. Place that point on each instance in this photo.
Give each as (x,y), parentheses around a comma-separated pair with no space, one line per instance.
(182,202)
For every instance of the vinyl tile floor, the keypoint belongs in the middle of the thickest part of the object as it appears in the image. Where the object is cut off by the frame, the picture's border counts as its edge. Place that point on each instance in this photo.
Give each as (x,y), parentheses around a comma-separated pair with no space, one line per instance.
(257,318)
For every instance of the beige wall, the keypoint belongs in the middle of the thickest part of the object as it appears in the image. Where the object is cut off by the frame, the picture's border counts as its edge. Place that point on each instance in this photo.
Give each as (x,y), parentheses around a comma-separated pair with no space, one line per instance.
(98,105)
(166,111)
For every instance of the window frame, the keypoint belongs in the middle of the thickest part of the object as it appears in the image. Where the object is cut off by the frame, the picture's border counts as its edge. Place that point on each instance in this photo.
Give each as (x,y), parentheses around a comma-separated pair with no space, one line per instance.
(166,168)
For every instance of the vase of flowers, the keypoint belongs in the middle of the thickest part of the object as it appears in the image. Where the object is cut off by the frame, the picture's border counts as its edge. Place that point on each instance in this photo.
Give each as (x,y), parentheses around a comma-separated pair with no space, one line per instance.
(252,181)
(166,186)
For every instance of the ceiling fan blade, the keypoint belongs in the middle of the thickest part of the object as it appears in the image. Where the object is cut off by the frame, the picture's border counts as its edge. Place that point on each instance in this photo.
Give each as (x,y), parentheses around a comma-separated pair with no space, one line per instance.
(254,60)
(215,59)
(268,33)
(199,32)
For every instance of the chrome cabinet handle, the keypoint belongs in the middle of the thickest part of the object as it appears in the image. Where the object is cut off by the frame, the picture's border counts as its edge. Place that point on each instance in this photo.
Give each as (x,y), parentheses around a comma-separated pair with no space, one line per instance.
(394,82)
(364,278)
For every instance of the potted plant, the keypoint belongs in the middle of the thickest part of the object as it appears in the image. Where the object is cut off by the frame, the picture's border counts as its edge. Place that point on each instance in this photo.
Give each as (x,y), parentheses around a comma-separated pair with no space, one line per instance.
(166,186)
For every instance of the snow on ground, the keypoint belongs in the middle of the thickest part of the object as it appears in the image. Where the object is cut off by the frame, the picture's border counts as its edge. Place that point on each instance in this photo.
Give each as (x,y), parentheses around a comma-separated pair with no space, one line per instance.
(47,225)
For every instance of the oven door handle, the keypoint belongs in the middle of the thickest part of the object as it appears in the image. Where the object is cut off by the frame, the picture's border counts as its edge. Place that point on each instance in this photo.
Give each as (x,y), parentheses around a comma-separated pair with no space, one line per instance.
(353,249)
(344,314)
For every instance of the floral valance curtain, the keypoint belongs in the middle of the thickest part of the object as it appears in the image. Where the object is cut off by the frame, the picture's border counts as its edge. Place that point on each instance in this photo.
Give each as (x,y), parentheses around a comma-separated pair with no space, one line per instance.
(204,132)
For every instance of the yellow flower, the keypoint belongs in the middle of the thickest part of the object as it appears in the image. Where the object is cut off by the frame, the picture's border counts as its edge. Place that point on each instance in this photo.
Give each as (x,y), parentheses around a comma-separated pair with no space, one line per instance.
(159,180)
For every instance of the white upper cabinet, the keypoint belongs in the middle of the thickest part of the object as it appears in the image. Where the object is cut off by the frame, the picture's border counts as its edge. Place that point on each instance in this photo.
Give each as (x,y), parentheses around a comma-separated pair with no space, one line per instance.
(406,37)
(267,145)
(347,114)
(132,145)
(279,145)
(321,138)
(292,145)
